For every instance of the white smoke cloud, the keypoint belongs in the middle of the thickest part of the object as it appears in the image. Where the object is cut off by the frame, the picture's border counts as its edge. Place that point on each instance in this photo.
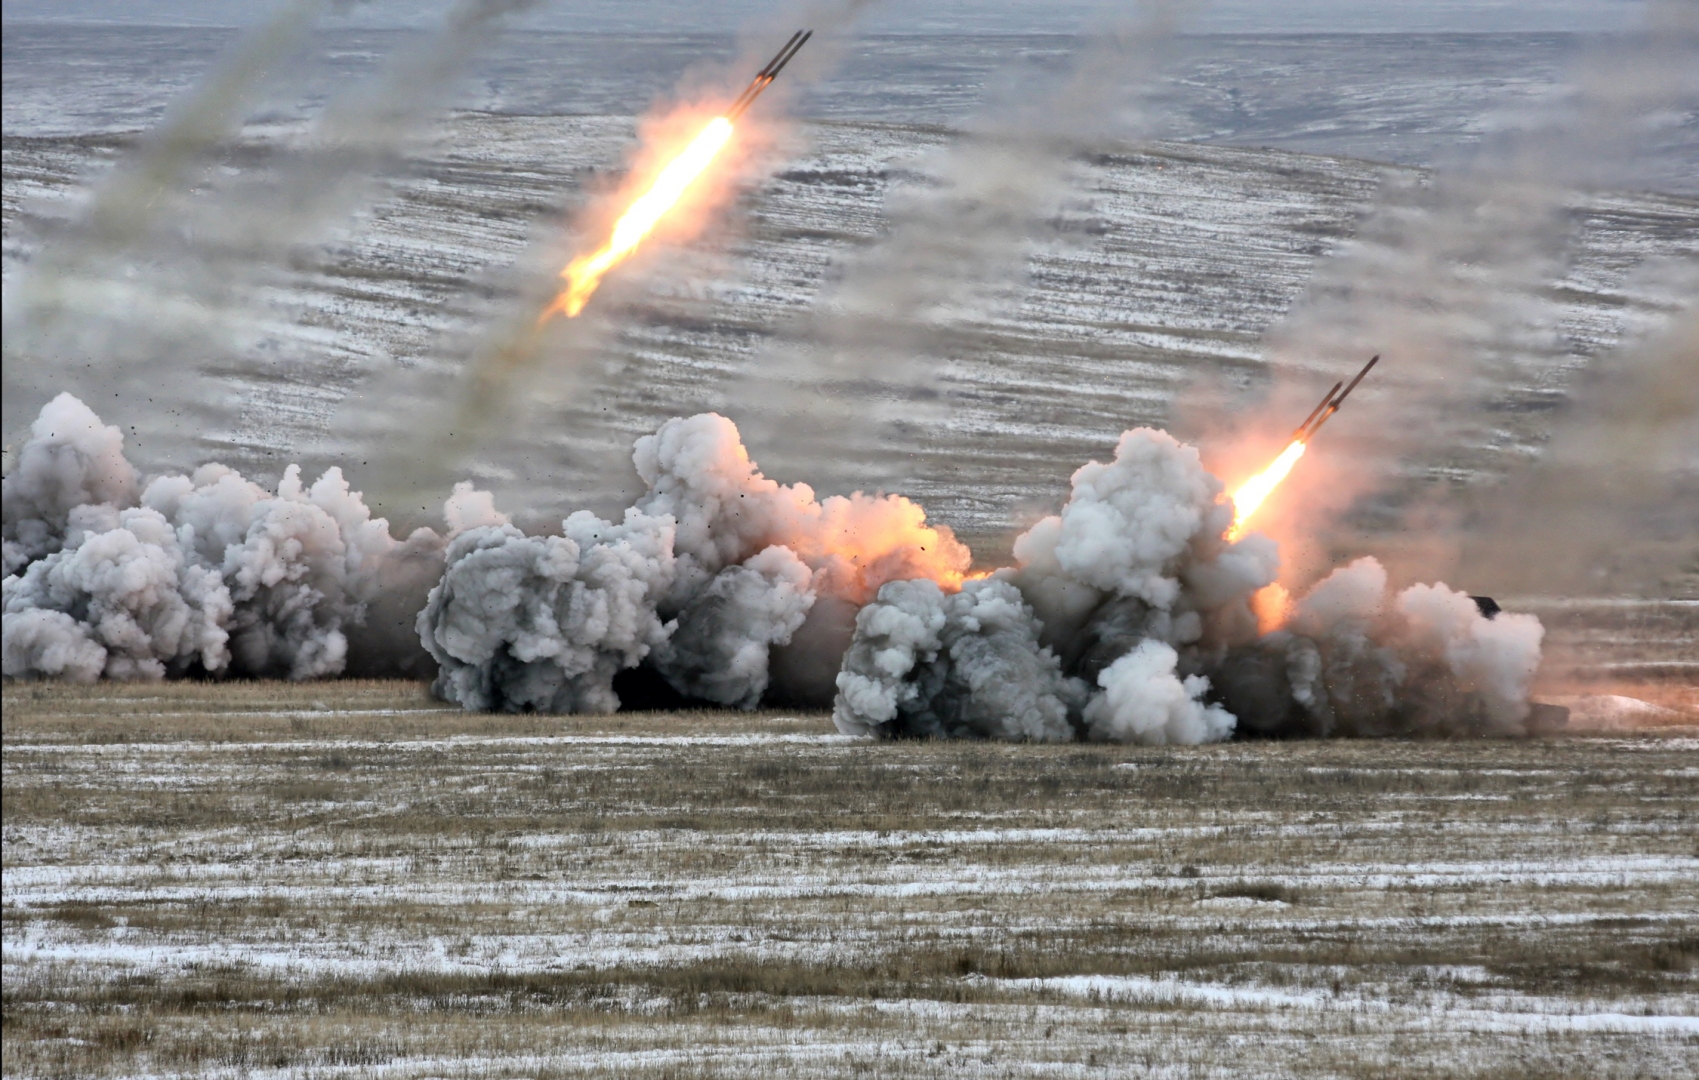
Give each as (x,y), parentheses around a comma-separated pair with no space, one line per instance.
(1132,570)
(716,573)
(963,665)
(697,471)
(1492,659)
(127,592)
(51,644)
(1144,701)
(209,572)
(544,623)
(1138,551)
(1359,660)
(721,649)
(70,460)
(1133,588)
(714,568)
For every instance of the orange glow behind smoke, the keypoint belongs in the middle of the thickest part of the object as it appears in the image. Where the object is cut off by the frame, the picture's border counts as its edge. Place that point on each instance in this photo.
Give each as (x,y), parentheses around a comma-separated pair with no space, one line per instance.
(585,273)
(1254,491)
(1272,605)
(859,542)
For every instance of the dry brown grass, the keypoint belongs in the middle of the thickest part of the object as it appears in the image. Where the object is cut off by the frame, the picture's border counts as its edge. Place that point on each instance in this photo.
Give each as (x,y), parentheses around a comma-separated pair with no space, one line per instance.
(338,878)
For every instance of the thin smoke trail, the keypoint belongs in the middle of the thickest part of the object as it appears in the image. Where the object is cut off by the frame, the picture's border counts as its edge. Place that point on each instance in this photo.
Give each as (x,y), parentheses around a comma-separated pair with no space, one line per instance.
(200,297)
(1450,277)
(847,390)
(126,209)
(484,390)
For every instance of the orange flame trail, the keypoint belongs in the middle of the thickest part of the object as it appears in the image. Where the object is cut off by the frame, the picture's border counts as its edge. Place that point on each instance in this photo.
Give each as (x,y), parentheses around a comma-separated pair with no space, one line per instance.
(1252,492)
(585,273)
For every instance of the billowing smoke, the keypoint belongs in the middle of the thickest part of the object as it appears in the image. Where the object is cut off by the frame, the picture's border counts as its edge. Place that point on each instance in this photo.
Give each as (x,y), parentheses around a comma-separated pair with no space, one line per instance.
(1144,701)
(1358,660)
(704,583)
(967,665)
(71,460)
(1129,619)
(1124,599)
(208,573)
(544,623)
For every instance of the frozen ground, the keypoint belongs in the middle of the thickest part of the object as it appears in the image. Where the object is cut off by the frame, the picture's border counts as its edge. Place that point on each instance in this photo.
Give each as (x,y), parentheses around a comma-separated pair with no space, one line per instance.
(345,879)
(333,880)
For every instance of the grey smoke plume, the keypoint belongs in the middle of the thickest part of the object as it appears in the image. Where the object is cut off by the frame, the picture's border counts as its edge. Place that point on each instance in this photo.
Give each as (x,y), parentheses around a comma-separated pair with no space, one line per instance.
(1357,660)
(721,648)
(1144,701)
(965,665)
(359,134)
(858,373)
(713,571)
(1454,278)
(125,207)
(188,282)
(70,460)
(1130,588)
(205,573)
(1129,619)
(1614,495)
(544,623)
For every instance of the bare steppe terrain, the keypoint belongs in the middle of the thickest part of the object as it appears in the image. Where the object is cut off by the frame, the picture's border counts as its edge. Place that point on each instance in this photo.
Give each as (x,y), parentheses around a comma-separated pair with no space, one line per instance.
(348,879)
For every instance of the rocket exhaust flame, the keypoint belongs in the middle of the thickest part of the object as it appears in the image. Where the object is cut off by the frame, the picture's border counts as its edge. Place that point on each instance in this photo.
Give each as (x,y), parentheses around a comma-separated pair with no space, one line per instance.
(1253,492)
(584,274)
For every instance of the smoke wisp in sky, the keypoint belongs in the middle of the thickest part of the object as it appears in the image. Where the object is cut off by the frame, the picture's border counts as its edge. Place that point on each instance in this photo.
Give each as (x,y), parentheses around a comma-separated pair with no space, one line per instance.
(153,290)
(846,392)
(1454,277)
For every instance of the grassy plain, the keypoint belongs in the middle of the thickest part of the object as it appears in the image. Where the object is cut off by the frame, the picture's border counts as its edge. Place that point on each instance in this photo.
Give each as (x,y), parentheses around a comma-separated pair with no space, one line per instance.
(348,879)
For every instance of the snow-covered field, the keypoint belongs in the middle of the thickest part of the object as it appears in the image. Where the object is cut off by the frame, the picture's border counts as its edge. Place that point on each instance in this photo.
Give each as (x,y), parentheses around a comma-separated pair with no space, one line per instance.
(346,879)
(342,879)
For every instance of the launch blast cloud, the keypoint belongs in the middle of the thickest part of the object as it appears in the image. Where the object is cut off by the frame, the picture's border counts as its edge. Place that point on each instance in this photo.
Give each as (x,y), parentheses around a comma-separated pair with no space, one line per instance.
(705,579)
(207,573)
(1127,616)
